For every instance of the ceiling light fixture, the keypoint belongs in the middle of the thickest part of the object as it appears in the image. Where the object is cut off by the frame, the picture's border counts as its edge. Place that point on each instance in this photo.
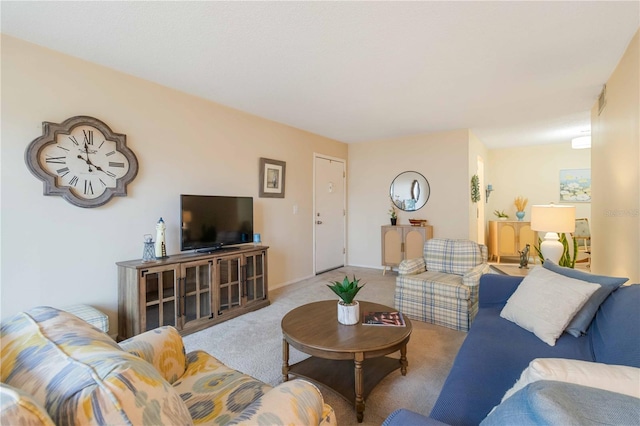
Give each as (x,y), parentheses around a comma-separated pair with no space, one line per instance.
(581,143)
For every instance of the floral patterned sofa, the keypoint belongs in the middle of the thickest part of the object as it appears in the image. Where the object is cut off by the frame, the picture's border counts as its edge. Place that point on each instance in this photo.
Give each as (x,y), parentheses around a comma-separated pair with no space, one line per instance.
(58,369)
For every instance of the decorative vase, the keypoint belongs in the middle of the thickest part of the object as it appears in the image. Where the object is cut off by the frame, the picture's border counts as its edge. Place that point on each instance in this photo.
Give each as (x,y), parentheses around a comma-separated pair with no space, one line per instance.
(394,220)
(348,314)
(520,215)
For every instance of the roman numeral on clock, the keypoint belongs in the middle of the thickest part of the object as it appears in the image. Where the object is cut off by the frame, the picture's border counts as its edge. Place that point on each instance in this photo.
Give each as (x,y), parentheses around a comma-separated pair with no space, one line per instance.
(88,136)
(63,171)
(56,160)
(74,181)
(74,140)
(88,187)
(115,164)
(110,153)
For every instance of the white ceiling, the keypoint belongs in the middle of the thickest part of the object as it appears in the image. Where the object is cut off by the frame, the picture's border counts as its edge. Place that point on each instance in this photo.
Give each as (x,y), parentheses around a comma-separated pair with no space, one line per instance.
(516,73)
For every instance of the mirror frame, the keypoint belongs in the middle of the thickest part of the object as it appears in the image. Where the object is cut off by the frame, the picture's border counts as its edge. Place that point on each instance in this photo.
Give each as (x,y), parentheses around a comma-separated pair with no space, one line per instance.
(415,190)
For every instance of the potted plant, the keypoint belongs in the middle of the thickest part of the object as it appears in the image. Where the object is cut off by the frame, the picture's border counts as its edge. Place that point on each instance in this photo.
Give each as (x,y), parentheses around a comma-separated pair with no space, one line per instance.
(501,214)
(393,214)
(348,309)
(520,204)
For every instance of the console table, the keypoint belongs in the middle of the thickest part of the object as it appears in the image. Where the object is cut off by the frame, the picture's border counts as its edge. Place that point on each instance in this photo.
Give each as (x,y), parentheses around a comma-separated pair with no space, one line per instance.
(507,237)
(400,242)
(191,291)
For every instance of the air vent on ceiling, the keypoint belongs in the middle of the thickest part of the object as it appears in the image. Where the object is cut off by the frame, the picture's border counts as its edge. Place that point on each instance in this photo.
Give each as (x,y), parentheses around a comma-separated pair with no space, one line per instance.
(602,99)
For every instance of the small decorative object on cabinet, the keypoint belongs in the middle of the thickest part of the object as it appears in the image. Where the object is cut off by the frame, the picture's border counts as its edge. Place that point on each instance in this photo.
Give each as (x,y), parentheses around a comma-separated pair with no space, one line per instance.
(509,237)
(148,253)
(161,247)
(191,291)
(82,160)
(393,215)
(403,242)
(348,309)
(501,214)
(520,204)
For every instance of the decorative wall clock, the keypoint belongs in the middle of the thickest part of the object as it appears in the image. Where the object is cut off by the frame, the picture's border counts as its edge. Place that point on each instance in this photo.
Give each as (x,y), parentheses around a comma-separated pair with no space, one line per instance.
(82,161)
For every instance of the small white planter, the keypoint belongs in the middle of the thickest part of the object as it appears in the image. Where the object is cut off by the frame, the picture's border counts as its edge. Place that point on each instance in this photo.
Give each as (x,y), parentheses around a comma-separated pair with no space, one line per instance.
(348,314)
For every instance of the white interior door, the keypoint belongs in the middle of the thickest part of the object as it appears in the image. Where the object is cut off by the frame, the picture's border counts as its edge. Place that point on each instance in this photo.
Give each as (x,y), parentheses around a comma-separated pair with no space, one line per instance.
(329,213)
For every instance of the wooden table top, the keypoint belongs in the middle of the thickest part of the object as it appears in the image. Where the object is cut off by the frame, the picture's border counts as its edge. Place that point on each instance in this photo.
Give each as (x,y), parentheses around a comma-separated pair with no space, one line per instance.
(314,328)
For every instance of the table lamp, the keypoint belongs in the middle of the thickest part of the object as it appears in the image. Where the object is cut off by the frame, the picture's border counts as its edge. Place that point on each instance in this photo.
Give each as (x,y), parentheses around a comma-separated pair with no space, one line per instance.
(553,219)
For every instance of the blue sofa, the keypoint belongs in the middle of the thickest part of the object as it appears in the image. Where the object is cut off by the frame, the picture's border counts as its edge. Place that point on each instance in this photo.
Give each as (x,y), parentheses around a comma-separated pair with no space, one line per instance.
(496,351)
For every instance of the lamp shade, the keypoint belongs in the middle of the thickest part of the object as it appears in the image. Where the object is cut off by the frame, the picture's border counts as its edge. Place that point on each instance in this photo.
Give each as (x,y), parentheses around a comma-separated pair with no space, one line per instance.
(553,218)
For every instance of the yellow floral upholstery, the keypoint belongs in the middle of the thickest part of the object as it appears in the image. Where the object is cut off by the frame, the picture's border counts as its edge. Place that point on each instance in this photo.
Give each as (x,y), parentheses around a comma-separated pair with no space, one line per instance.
(18,408)
(162,348)
(57,369)
(81,376)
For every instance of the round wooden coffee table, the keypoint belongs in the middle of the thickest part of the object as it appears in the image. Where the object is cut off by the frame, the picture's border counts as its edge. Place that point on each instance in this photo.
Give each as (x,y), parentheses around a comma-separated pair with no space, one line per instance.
(350,359)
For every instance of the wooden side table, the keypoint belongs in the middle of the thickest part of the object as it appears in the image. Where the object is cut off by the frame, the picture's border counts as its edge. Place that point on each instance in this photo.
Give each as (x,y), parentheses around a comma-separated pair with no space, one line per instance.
(350,359)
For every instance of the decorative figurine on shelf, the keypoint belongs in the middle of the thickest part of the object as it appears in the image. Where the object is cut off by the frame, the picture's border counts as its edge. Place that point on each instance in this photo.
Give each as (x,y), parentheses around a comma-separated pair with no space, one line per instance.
(524,257)
(161,247)
(148,253)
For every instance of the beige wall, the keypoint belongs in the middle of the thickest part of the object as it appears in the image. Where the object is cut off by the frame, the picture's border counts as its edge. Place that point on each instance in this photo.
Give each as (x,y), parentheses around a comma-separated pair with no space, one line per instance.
(616,171)
(54,253)
(532,172)
(441,157)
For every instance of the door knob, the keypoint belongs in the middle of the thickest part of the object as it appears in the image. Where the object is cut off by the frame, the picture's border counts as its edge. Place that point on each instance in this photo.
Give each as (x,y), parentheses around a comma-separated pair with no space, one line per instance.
(319,222)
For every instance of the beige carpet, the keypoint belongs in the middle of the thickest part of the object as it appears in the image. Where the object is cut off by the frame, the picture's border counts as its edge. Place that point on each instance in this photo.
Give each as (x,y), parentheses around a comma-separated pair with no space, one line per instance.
(252,343)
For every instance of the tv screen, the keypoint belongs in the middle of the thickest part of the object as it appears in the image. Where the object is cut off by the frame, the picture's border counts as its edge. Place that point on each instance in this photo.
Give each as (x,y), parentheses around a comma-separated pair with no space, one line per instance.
(210,222)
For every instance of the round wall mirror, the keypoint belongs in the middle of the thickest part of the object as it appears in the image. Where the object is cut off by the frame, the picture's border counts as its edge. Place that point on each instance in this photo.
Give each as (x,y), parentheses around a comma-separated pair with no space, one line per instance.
(409,191)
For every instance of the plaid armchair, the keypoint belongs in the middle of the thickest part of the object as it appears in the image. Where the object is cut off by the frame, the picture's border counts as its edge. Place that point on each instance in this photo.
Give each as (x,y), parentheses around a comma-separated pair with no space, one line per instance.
(442,287)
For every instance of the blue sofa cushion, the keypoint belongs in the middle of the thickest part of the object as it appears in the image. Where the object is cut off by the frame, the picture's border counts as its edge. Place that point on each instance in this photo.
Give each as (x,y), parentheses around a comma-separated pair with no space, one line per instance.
(558,403)
(581,321)
(614,332)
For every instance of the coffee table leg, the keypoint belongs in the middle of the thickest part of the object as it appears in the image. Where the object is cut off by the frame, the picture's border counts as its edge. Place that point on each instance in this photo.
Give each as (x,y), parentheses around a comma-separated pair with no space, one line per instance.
(285,360)
(403,360)
(359,387)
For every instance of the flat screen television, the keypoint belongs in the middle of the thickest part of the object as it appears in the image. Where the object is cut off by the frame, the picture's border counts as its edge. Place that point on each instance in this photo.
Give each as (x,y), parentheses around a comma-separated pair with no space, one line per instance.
(210,222)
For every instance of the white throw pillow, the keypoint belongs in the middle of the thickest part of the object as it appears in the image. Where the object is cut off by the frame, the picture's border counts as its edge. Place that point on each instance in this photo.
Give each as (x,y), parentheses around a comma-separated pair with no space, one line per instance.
(614,378)
(545,302)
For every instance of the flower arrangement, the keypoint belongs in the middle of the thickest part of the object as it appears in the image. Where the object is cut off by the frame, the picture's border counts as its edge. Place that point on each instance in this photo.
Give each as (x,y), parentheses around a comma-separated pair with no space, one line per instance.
(501,214)
(520,203)
(393,212)
(346,290)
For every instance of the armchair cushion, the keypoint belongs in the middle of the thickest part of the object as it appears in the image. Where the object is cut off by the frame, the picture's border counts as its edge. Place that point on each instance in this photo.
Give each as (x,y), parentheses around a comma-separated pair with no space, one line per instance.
(412,266)
(213,391)
(452,256)
(471,278)
(163,348)
(302,400)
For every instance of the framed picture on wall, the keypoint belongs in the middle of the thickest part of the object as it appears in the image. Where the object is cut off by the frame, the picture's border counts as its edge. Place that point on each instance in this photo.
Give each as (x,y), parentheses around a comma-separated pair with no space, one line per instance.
(272,174)
(575,186)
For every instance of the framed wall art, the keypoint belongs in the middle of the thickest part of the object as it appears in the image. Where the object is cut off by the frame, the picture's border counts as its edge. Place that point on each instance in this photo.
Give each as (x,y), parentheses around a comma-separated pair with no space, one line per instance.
(575,186)
(272,178)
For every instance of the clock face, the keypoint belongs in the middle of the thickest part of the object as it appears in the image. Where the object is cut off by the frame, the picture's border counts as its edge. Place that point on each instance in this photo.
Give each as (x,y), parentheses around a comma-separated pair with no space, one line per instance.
(82,160)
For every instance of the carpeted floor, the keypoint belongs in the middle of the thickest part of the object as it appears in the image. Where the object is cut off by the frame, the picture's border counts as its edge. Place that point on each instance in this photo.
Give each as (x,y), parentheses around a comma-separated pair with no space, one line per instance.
(252,343)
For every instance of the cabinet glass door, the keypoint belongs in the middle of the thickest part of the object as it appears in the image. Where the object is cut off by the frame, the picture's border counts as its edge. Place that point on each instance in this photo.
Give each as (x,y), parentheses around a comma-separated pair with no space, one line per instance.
(255,277)
(229,283)
(160,302)
(196,288)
